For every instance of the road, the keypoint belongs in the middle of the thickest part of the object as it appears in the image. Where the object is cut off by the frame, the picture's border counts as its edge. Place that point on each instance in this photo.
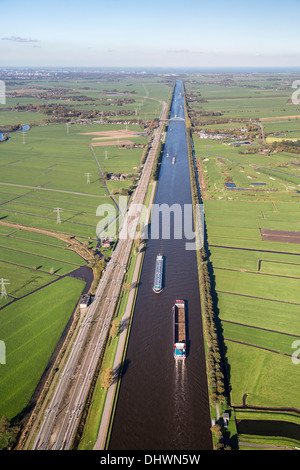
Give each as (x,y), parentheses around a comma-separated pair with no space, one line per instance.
(62,416)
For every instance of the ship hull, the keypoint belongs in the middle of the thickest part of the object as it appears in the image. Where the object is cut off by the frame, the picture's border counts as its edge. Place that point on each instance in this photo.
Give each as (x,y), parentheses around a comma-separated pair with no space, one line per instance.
(157,286)
(179,330)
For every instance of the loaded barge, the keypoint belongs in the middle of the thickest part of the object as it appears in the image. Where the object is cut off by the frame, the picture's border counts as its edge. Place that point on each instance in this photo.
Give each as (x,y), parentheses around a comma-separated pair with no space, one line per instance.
(157,288)
(179,330)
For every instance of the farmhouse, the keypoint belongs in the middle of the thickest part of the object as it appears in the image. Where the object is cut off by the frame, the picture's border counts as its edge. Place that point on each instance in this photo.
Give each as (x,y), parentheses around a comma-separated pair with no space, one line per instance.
(107,243)
(116,177)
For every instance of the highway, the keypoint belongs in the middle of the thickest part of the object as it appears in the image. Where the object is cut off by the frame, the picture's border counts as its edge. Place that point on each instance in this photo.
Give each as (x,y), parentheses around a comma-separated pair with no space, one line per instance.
(61,418)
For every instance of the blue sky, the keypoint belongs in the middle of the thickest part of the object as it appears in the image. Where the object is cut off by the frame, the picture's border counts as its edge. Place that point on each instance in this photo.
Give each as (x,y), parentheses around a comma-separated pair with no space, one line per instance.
(156,33)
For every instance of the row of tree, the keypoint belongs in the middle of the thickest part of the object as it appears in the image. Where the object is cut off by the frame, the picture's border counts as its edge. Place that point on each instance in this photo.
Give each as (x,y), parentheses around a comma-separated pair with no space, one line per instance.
(290,146)
(215,374)
(63,111)
(213,339)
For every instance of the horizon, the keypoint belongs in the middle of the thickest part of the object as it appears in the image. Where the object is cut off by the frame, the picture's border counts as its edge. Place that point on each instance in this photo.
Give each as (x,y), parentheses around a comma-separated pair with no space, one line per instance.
(157,69)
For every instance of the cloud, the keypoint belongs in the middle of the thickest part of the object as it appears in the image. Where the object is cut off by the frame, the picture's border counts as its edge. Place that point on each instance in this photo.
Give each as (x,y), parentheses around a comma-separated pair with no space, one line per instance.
(18,39)
(179,51)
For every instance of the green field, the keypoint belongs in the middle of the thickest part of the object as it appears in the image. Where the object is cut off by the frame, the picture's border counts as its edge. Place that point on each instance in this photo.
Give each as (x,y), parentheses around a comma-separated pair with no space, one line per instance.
(49,171)
(83,96)
(45,168)
(257,285)
(256,282)
(31,328)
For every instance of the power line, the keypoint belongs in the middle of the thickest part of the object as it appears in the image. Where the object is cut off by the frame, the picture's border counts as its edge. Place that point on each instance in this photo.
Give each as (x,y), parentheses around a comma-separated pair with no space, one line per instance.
(57,210)
(4,282)
(88,177)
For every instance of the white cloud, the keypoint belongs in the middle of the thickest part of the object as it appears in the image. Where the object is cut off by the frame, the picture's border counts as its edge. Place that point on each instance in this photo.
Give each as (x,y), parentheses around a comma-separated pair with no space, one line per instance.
(18,39)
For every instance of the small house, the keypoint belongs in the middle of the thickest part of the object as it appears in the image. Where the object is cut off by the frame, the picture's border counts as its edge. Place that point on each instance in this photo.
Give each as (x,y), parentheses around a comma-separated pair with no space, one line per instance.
(85,301)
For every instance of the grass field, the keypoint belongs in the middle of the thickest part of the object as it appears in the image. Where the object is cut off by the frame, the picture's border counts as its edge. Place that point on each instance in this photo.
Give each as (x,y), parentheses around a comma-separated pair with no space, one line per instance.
(51,166)
(27,258)
(253,173)
(50,171)
(257,285)
(31,328)
(102,93)
(256,282)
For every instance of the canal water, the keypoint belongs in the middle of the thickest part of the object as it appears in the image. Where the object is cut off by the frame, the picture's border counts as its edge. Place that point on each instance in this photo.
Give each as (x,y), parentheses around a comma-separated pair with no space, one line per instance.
(163,404)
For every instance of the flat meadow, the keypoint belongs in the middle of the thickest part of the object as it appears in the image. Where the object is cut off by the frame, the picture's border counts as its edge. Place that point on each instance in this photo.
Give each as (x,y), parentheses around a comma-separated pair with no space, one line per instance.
(55,165)
(257,286)
(246,190)
(31,328)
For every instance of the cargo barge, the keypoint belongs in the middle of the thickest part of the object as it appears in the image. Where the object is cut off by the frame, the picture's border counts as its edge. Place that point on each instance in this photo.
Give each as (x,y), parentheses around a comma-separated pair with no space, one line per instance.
(157,287)
(179,329)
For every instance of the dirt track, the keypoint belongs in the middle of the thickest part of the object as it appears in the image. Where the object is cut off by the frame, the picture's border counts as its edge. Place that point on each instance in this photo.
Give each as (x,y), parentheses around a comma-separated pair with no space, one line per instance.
(276,118)
(122,133)
(111,142)
(284,236)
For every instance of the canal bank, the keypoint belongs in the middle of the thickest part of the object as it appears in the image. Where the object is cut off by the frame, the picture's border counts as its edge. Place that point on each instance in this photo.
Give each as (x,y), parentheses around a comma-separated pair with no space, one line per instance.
(163,403)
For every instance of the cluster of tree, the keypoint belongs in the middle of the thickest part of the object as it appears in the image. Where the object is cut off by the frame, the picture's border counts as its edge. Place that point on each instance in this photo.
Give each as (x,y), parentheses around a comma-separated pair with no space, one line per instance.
(63,111)
(203,112)
(193,175)
(195,97)
(115,91)
(52,96)
(217,430)
(295,161)
(98,264)
(157,161)
(11,128)
(118,102)
(201,118)
(200,121)
(250,150)
(158,158)
(289,146)
(8,433)
(213,356)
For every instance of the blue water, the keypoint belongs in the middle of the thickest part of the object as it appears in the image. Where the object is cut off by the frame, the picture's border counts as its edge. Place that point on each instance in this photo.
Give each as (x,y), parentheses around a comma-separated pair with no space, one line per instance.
(24,128)
(163,403)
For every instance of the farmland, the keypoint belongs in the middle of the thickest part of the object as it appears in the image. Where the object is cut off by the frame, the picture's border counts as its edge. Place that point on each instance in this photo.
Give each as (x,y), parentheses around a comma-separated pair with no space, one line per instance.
(249,187)
(39,319)
(54,176)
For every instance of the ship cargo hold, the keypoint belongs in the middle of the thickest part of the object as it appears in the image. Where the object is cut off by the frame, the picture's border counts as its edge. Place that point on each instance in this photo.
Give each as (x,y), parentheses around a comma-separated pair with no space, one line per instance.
(179,329)
(157,287)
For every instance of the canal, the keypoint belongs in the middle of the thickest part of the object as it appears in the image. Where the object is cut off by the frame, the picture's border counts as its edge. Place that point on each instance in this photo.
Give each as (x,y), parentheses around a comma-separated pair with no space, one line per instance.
(162,403)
